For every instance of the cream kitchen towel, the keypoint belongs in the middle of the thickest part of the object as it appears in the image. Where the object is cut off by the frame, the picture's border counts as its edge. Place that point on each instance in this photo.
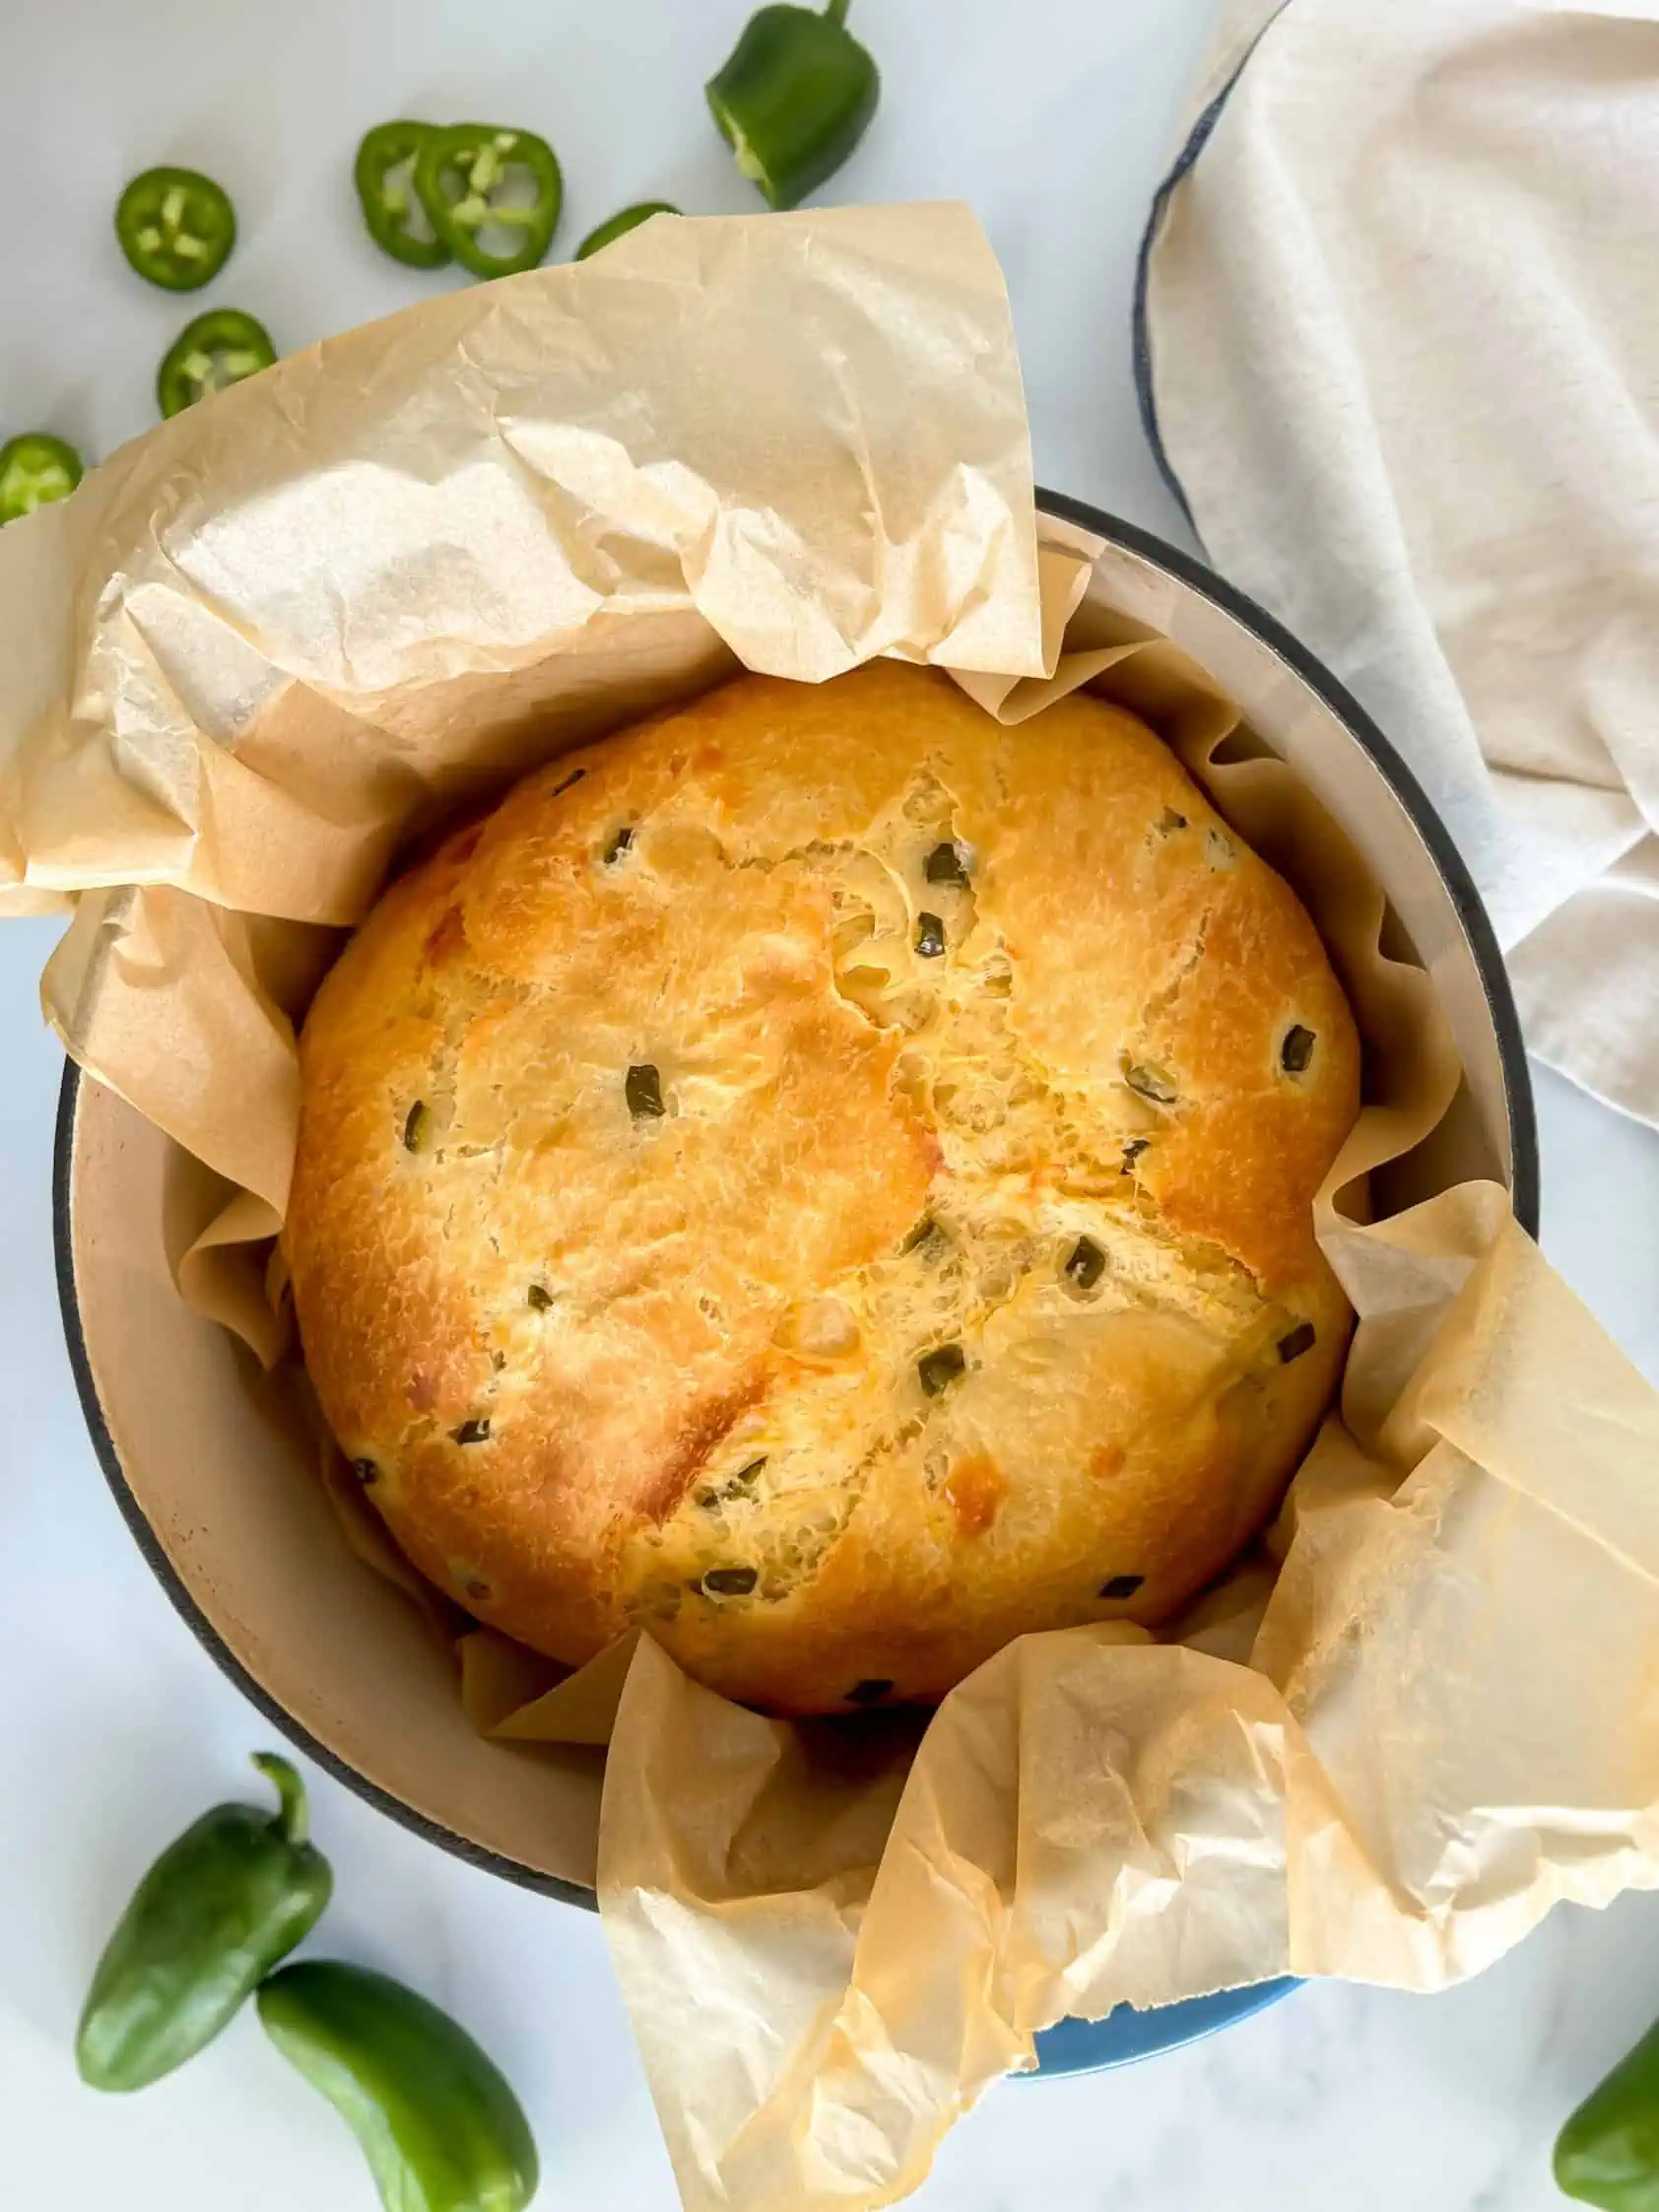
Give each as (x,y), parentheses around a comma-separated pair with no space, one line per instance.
(1399,341)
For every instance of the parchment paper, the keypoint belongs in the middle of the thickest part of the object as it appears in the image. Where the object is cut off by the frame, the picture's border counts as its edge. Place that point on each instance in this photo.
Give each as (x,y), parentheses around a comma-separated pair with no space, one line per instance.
(266,646)
(265,643)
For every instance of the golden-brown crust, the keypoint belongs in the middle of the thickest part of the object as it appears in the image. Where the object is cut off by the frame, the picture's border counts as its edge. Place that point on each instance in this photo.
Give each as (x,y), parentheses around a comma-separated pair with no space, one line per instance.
(950,1288)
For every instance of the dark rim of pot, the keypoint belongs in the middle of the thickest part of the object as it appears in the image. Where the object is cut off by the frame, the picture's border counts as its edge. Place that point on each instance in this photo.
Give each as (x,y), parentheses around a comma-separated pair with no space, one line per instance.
(1524,1138)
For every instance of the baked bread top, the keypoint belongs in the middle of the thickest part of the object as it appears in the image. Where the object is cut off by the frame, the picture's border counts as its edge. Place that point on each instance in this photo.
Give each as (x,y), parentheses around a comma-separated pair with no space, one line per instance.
(828,1179)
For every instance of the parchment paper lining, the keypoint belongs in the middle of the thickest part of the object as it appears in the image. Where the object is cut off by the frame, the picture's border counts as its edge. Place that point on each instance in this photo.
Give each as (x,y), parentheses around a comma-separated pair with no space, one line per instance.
(1416,1716)
(290,630)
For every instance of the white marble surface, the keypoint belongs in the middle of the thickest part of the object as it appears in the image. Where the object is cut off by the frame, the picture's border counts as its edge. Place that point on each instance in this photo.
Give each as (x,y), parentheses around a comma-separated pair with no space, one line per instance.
(115,1728)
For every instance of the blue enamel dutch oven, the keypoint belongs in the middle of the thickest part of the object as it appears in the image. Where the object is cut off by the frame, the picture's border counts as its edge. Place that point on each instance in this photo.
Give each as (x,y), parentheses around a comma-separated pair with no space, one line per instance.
(343,1669)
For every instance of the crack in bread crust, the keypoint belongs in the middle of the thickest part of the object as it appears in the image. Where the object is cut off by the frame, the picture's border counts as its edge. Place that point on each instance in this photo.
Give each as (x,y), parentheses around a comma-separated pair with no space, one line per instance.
(824,1184)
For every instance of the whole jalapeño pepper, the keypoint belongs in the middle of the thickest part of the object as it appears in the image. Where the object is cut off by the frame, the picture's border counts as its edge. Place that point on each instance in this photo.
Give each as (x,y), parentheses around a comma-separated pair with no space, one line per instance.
(214,1915)
(439,2126)
(794,99)
(1608,2153)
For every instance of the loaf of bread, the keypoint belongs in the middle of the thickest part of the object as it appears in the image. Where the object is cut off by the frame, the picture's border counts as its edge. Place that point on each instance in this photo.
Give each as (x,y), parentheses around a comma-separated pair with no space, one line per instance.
(827,1179)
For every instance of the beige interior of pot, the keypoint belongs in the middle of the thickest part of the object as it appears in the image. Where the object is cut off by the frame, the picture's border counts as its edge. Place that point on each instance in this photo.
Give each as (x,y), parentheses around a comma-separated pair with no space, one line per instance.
(222,1470)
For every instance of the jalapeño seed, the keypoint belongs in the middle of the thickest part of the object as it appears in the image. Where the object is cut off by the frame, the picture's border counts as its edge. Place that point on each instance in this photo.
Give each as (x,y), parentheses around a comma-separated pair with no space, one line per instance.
(416,1126)
(538,1298)
(937,1370)
(1297,1052)
(730,1581)
(1132,1151)
(930,936)
(618,845)
(575,777)
(1087,1264)
(644,1091)
(1122,1586)
(367,1472)
(1152,1083)
(473,1432)
(944,864)
(870,1692)
(1300,1340)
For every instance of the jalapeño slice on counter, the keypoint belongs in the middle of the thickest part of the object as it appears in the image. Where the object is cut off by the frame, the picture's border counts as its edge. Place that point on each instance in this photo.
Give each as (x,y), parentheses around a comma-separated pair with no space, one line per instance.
(35,469)
(215,350)
(620,225)
(392,209)
(492,195)
(175,227)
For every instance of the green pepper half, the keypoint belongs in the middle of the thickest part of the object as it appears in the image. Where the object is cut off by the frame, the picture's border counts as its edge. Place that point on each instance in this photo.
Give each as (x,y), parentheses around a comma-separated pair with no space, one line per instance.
(214,1915)
(175,227)
(794,99)
(216,350)
(619,225)
(492,195)
(35,469)
(1608,2153)
(438,2124)
(384,176)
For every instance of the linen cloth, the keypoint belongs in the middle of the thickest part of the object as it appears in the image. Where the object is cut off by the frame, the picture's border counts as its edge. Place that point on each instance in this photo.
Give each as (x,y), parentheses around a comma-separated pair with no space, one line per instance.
(1398,346)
